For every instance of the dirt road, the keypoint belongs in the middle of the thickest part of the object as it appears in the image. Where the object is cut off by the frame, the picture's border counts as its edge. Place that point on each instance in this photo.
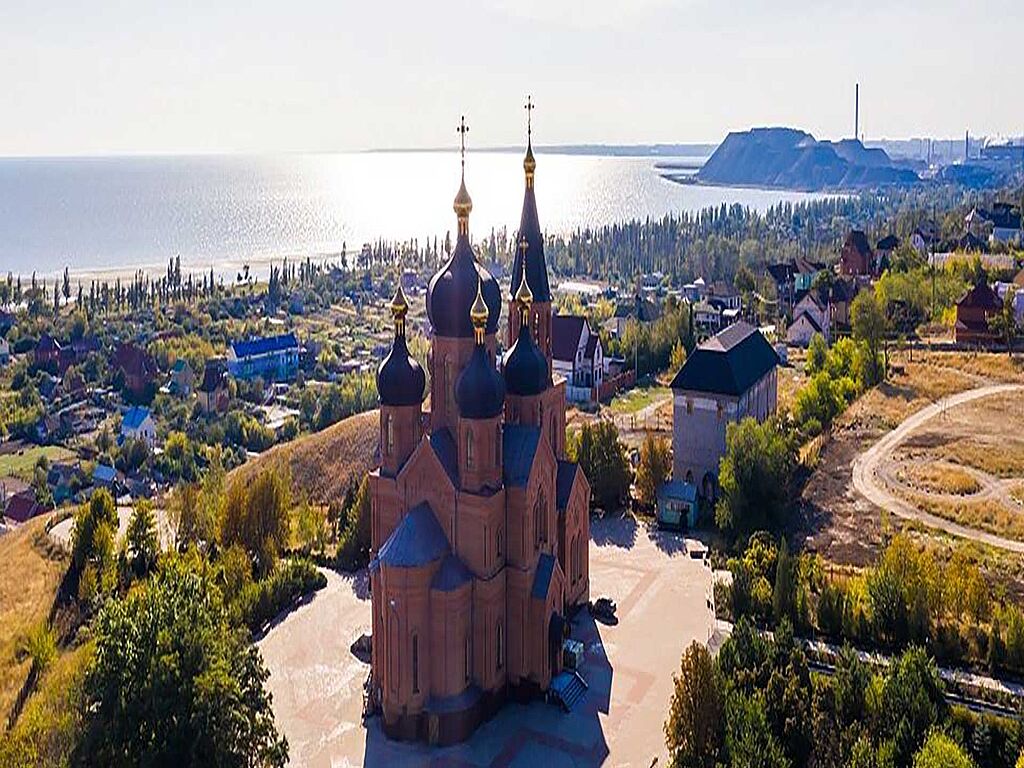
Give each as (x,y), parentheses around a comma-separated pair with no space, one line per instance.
(866,469)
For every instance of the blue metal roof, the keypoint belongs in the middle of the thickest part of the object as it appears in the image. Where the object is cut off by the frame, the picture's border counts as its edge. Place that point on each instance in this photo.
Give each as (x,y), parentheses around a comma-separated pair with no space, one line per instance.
(417,540)
(103,474)
(564,482)
(443,446)
(542,579)
(518,448)
(452,574)
(134,417)
(678,490)
(265,346)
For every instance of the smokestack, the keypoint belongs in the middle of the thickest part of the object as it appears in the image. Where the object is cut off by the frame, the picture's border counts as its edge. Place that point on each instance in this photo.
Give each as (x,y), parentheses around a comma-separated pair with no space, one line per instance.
(856,110)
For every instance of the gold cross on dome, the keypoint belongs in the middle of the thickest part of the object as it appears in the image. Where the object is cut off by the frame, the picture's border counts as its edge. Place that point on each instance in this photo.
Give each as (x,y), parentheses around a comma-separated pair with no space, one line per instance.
(462,130)
(529,106)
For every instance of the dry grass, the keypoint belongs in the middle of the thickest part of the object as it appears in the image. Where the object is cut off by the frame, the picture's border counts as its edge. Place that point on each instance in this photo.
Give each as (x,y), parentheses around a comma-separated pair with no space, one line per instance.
(323,464)
(987,515)
(30,571)
(940,478)
(999,456)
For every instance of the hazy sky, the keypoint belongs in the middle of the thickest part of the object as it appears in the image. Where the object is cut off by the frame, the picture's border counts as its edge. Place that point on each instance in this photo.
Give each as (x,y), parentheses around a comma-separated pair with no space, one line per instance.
(227,75)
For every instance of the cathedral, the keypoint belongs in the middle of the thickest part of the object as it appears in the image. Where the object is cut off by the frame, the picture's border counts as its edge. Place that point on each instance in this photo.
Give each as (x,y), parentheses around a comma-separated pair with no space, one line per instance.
(480,529)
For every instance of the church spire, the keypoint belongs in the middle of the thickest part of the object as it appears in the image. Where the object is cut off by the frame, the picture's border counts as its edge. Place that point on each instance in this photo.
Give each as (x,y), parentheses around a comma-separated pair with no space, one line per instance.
(529,164)
(463,202)
(479,314)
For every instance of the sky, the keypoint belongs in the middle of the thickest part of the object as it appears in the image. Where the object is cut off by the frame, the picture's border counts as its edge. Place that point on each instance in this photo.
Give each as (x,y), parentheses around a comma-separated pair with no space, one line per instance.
(152,76)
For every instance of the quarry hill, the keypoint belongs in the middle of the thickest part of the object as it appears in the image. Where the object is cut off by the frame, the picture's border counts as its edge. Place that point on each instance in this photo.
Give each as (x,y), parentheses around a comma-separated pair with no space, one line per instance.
(792,159)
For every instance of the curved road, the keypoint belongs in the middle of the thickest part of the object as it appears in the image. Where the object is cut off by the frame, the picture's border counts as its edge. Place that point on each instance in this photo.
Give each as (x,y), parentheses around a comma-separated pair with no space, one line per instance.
(865,470)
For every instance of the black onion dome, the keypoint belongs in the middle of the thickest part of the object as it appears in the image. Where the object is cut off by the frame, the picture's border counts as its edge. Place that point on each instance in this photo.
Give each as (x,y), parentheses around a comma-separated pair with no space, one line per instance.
(480,390)
(452,292)
(526,368)
(400,379)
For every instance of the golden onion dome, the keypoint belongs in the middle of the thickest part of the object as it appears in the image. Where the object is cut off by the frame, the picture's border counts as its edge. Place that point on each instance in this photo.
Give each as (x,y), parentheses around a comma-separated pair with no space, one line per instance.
(463,202)
(529,163)
(399,304)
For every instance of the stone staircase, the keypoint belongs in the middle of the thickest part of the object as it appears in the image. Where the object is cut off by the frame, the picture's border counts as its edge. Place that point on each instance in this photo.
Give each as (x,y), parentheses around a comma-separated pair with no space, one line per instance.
(568,688)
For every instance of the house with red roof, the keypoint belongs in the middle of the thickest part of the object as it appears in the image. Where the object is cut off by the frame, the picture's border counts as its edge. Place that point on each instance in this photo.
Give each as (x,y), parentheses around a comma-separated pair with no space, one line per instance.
(972,315)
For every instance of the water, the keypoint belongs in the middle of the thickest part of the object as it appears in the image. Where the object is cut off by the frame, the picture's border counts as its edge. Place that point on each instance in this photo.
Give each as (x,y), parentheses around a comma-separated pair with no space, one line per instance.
(118,214)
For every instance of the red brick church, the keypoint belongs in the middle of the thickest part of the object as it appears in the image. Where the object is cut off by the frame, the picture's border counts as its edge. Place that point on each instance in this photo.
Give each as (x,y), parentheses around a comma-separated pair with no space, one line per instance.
(480,528)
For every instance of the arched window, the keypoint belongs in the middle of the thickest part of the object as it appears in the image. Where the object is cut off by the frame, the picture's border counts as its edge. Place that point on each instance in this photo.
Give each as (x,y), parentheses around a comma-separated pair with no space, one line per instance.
(497,543)
(539,521)
(498,643)
(447,383)
(469,448)
(497,445)
(390,434)
(415,663)
(469,656)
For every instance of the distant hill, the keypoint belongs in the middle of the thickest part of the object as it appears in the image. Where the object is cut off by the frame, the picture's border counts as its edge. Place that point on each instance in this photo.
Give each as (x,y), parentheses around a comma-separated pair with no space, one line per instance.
(788,158)
(324,463)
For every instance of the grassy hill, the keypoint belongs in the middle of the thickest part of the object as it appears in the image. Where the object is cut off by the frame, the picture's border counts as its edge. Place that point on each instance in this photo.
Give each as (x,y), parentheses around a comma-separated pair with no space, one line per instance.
(324,463)
(30,571)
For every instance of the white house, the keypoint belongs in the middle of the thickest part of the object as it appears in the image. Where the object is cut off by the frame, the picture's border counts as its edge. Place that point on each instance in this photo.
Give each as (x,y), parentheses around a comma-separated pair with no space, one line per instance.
(577,354)
(137,424)
(810,316)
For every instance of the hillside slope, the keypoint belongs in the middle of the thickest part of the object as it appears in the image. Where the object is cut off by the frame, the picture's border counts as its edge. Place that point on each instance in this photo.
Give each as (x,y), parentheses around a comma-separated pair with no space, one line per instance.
(324,463)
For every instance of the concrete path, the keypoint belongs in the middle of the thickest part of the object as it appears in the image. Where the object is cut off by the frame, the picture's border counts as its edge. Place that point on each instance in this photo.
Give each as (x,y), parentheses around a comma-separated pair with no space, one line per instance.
(866,470)
(663,605)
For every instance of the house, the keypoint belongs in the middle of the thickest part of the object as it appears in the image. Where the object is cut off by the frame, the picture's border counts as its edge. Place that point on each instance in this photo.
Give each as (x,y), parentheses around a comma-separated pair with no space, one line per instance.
(271,358)
(64,480)
(104,476)
(972,315)
(22,507)
(1002,289)
(707,318)
(577,354)
(884,249)
(213,393)
(924,237)
(856,258)
(137,424)
(1000,224)
(638,308)
(844,291)
(724,296)
(182,378)
(47,353)
(729,377)
(137,367)
(811,315)
(677,505)
(792,278)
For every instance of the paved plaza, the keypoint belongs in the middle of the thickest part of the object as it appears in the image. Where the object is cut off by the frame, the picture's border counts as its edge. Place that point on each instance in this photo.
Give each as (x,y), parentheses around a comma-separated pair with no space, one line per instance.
(662,598)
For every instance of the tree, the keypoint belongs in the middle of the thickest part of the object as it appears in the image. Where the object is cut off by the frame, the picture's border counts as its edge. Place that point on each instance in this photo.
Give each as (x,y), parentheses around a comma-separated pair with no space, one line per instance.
(602,457)
(693,730)
(142,544)
(940,751)
(867,318)
(748,736)
(678,357)
(784,593)
(817,351)
(653,469)
(911,701)
(354,543)
(1004,322)
(754,478)
(172,682)
(311,526)
(256,517)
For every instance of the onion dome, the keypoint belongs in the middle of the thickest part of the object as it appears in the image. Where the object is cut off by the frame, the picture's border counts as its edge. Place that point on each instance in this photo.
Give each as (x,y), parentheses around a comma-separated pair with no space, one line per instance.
(526,368)
(400,379)
(453,289)
(480,389)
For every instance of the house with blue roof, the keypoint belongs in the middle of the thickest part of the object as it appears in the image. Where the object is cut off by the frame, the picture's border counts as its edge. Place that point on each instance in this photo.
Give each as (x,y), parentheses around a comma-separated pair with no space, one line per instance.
(137,424)
(271,358)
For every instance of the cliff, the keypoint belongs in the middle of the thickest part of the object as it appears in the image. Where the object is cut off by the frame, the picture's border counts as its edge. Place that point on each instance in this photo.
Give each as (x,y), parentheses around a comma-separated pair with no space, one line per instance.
(792,159)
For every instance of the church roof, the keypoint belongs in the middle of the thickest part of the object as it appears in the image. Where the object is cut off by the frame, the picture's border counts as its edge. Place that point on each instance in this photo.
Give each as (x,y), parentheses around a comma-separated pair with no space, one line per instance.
(536,267)
(480,389)
(728,363)
(564,482)
(452,292)
(542,578)
(525,367)
(518,449)
(443,445)
(417,540)
(400,379)
(452,574)
(565,336)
